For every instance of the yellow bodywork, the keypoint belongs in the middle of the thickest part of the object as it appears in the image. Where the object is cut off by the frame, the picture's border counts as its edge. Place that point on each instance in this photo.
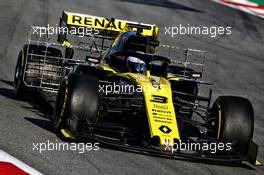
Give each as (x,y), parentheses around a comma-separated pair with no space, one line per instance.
(159,106)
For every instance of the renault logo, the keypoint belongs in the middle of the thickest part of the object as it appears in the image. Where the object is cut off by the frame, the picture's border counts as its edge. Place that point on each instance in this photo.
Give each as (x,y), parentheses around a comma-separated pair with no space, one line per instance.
(165,129)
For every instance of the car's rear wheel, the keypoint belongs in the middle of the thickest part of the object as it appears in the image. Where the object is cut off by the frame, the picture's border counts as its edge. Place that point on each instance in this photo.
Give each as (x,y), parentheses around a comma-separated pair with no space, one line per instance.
(234,121)
(37,63)
(77,103)
(22,91)
(19,84)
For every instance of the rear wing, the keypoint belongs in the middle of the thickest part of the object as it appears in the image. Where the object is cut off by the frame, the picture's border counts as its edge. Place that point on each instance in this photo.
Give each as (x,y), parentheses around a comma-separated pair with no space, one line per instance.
(102,27)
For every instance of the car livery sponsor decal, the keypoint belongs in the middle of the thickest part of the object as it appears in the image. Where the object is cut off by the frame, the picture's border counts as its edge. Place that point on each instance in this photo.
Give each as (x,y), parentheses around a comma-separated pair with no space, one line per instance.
(101,23)
(255,7)
(165,129)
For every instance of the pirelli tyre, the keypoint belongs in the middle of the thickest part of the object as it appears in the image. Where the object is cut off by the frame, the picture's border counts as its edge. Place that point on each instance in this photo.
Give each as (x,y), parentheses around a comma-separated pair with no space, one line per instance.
(77,104)
(234,121)
(36,63)
(19,83)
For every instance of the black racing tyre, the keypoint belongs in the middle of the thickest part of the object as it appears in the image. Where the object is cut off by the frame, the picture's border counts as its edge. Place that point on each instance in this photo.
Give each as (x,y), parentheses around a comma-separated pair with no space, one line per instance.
(77,102)
(31,59)
(45,62)
(234,121)
(19,84)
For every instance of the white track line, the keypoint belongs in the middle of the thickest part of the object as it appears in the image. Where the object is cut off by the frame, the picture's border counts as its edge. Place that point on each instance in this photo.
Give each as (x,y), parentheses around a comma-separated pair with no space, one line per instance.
(5,157)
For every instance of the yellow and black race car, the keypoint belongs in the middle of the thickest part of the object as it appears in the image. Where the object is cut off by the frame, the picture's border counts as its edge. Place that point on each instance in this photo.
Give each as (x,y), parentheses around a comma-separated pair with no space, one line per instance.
(127,95)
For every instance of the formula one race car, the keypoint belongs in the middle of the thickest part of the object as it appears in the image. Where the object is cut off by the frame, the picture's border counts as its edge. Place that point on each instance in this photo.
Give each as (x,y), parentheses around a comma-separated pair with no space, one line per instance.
(115,85)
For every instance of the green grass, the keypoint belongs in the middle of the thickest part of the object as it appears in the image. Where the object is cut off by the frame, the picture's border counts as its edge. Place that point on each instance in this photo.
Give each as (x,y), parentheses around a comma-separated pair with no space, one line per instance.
(260,2)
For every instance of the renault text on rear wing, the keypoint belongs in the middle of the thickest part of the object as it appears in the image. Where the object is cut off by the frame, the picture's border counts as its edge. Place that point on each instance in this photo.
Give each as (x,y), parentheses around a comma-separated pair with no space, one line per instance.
(106,27)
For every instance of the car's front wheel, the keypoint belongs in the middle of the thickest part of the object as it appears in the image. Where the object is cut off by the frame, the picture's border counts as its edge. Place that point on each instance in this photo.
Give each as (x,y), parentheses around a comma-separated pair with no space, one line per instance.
(234,121)
(77,103)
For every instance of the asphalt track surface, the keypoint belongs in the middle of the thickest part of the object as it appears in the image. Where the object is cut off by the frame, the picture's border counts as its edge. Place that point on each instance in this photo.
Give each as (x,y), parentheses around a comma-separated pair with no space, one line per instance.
(235,65)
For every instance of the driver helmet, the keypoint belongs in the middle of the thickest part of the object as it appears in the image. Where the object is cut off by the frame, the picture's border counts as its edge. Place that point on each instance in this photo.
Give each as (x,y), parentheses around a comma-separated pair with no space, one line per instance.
(136,65)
